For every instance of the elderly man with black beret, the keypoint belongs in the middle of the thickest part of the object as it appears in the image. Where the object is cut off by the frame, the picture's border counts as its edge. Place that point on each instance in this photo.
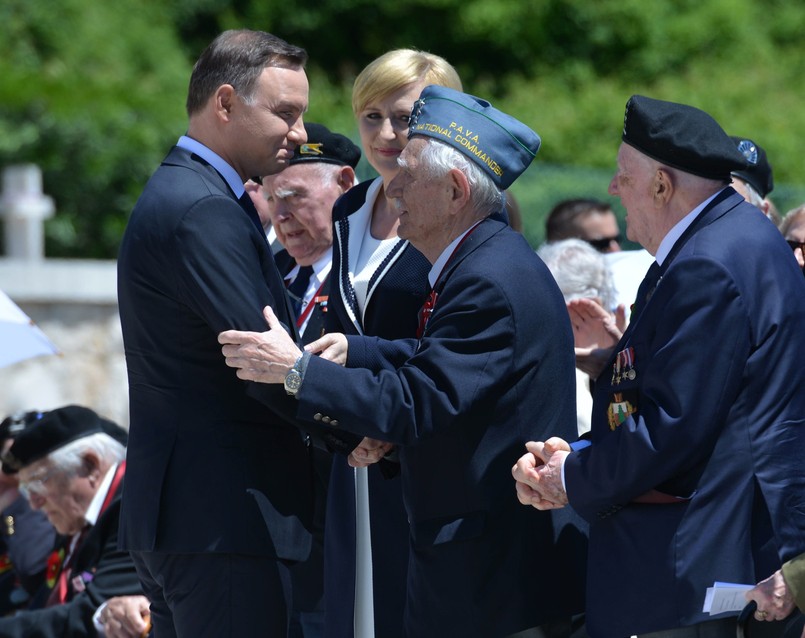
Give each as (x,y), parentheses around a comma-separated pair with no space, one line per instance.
(492,366)
(26,536)
(300,206)
(71,464)
(300,209)
(694,473)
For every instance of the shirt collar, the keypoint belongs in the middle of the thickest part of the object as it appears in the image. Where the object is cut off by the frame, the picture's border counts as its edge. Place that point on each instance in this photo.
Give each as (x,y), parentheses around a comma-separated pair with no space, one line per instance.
(94,509)
(321,267)
(667,243)
(216,161)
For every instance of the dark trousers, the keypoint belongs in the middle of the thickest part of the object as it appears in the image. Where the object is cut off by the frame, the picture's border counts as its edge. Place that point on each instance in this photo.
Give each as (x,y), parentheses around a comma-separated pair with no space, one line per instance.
(222,595)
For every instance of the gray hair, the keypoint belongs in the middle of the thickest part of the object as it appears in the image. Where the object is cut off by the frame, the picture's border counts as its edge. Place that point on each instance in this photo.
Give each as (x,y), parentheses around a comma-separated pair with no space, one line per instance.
(579,270)
(69,458)
(439,158)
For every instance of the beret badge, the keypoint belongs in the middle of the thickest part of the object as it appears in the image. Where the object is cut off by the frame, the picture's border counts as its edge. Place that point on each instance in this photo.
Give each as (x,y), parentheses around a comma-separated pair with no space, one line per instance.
(749,151)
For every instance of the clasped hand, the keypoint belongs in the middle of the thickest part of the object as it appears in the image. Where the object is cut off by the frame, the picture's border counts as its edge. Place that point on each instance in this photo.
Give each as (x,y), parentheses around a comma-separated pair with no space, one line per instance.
(267,357)
(538,474)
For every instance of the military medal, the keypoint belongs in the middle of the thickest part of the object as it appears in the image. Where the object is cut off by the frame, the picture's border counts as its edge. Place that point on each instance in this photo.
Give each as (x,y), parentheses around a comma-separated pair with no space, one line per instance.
(619,410)
(623,367)
(628,363)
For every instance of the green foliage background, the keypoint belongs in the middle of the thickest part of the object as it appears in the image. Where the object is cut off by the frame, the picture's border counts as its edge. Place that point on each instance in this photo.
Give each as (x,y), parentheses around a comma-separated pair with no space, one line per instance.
(94,92)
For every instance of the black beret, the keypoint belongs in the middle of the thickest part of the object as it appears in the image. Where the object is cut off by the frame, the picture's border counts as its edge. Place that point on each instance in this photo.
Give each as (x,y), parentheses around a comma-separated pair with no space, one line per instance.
(56,429)
(758,170)
(325,146)
(682,137)
(12,425)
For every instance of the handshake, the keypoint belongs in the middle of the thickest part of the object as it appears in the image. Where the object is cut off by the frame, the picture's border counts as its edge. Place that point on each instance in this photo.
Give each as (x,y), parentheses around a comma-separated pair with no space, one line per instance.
(538,474)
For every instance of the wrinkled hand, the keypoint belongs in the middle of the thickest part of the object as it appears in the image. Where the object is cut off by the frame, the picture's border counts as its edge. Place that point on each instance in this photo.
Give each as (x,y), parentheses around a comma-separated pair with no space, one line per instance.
(260,356)
(368,451)
(593,325)
(774,600)
(126,617)
(596,331)
(538,474)
(332,346)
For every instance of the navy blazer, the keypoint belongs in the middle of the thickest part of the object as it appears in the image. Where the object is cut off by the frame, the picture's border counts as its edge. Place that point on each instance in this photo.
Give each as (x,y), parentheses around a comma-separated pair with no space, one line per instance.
(720,421)
(494,369)
(396,293)
(213,462)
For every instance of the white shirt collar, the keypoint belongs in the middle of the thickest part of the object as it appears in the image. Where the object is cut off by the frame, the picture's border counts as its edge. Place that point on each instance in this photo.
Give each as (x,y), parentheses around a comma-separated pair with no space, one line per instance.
(216,161)
(681,226)
(94,509)
(321,267)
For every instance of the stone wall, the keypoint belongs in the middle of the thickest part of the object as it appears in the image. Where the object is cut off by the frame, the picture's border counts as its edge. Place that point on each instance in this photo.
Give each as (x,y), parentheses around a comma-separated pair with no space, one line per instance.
(75,303)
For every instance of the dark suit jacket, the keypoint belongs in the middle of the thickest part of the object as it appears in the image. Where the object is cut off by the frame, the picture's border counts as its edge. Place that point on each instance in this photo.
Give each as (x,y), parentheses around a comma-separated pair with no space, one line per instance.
(102,570)
(212,465)
(720,417)
(26,539)
(494,369)
(396,293)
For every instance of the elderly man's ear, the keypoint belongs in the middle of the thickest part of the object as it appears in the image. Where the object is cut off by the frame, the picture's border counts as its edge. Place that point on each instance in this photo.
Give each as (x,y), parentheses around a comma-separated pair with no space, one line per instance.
(663,186)
(460,187)
(346,178)
(91,468)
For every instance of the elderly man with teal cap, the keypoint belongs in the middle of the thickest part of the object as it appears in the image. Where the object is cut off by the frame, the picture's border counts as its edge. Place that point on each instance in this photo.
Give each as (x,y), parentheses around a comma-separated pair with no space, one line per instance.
(492,366)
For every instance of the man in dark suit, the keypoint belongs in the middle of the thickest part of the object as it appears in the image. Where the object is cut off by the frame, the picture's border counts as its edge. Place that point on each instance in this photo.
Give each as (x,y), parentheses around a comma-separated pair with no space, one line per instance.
(218,496)
(493,364)
(695,470)
(71,466)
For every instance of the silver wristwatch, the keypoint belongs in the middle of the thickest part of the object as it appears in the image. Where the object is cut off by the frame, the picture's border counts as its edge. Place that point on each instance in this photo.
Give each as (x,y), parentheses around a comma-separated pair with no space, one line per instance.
(295,376)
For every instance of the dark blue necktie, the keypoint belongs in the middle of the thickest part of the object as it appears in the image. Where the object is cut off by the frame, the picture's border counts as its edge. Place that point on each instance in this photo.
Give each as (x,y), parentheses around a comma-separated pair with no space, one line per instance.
(646,289)
(298,288)
(247,205)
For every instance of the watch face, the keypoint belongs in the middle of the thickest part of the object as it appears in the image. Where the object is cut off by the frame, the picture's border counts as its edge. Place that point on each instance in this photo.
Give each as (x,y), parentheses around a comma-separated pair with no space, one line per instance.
(293,381)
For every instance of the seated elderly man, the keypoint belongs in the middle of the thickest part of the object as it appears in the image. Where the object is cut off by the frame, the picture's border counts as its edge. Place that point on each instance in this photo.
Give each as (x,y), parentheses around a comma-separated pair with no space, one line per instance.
(26,536)
(71,465)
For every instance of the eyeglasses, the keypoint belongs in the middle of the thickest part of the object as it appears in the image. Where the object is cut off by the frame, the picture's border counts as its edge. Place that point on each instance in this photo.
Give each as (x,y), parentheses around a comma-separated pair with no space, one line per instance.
(796,244)
(37,485)
(604,242)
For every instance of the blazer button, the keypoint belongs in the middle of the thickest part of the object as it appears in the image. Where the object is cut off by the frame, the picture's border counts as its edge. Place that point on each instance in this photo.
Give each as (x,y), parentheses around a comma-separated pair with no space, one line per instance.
(334,423)
(325,419)
(317,416)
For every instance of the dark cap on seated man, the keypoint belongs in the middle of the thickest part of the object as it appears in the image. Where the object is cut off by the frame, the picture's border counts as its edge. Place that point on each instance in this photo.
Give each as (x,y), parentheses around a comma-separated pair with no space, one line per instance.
(53,430)
(327,147)
(15,423)
(682,137)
